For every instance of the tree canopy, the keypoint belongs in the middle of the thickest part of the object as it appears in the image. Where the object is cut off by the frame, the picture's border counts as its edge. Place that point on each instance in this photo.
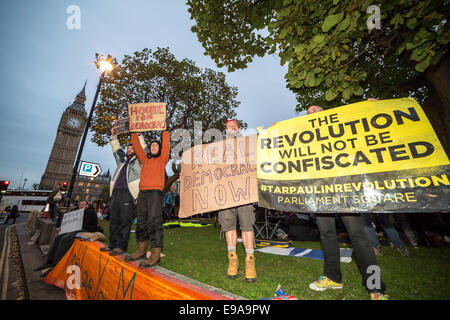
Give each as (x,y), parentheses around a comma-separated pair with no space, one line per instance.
(190,93)
(333,56)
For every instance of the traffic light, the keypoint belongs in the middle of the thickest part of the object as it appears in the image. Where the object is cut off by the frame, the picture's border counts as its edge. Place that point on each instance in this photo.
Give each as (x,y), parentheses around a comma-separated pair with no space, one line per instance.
(65,184)
(4,185)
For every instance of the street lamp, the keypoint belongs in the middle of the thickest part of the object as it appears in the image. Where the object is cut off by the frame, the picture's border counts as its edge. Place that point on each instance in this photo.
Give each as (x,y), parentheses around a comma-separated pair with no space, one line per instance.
(105,66)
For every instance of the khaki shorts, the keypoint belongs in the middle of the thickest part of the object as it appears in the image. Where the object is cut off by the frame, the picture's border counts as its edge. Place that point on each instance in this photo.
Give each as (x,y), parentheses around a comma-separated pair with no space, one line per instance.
(245,213)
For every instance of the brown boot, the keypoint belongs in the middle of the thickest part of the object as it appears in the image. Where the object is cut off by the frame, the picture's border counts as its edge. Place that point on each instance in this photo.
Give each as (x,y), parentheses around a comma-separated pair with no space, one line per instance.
(139,253)
(153,260)
(233,264)
(116,252)
(250,270)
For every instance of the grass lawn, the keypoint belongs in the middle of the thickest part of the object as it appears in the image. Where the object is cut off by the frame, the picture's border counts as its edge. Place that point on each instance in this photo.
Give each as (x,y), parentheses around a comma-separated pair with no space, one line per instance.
(198,253)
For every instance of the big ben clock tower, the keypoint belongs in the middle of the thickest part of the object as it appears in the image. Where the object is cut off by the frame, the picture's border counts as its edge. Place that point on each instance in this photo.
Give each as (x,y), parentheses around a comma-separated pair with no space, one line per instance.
(70,129)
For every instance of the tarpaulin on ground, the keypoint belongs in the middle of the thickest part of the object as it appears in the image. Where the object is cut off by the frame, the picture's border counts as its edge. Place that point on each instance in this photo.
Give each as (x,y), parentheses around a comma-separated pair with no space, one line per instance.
(85,273)
(218,176)
(371,156)
(187,224)
(346,254)
(274,243)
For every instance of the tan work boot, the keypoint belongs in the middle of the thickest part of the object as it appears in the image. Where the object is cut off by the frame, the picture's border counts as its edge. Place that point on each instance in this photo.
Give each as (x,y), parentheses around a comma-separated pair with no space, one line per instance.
(153,260)
(233,265)
(139,253)
(250,270)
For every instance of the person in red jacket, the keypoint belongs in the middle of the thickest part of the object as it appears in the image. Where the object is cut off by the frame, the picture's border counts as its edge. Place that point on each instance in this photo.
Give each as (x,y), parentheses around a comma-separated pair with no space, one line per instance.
(149,202)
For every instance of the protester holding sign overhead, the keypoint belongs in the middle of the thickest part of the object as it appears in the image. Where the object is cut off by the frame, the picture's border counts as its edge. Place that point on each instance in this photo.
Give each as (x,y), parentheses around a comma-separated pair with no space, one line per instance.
(365,257)
(124,188)
(149,206)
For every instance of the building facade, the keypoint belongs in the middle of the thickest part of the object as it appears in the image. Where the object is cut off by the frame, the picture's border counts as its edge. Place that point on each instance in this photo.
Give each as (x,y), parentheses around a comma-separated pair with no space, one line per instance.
(64,151)
(89,188)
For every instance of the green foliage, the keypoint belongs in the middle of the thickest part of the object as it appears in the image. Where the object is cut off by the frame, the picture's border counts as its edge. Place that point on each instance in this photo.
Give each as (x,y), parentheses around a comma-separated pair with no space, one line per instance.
(331,54)
(190,93)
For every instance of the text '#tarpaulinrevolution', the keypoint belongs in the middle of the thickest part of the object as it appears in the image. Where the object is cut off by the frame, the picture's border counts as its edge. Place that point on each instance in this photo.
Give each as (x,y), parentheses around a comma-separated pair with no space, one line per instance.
(381,156)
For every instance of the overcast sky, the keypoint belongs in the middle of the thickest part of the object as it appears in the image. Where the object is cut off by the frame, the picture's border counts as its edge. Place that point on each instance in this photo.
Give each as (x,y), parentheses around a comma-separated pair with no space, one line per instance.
(44,64)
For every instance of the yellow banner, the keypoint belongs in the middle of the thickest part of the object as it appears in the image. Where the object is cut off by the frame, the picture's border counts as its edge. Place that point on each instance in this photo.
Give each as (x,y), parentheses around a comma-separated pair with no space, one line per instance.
(371,156)
(364,137)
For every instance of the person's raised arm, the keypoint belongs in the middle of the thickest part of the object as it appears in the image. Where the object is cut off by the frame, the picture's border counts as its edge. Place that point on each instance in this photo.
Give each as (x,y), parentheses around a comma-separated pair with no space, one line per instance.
(137,147)
(116,149)
(143,144)
(165,151)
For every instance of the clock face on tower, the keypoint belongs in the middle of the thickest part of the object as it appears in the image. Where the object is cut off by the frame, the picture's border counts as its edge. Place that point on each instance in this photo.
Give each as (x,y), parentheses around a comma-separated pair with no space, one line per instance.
(73,123)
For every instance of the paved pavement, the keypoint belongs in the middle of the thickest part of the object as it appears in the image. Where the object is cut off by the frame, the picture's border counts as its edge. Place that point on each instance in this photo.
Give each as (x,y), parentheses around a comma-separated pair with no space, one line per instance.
(18,259)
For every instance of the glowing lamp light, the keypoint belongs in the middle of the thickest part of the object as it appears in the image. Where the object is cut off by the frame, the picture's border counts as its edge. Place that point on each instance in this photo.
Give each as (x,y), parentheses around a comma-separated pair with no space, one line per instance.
(105,65)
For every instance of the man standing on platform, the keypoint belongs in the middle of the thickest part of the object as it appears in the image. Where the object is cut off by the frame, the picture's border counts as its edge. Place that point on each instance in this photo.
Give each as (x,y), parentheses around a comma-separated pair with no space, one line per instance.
(228,220)
(124,188)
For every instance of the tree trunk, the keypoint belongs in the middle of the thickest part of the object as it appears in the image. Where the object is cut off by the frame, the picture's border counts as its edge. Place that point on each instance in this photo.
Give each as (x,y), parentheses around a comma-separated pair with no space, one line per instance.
(437,107)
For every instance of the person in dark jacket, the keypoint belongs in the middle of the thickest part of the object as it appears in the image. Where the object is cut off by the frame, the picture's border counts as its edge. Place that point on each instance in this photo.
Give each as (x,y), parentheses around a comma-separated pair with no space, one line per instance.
(54,200)
(124,190)
(169,204)
(12,215)
(64,241)
(302,227)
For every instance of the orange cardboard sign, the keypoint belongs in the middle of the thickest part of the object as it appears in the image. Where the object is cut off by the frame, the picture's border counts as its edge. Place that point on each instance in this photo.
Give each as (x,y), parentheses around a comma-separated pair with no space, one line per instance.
(86,273)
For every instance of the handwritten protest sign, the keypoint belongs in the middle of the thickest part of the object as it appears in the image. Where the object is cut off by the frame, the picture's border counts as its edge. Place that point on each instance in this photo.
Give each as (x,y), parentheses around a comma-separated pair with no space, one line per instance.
(380,156)
(72,221)
(147,116)
(121,125)
(218,176)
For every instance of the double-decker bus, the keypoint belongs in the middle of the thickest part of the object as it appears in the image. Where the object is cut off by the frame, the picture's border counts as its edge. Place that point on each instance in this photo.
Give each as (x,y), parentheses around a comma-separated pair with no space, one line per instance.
(25,200)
